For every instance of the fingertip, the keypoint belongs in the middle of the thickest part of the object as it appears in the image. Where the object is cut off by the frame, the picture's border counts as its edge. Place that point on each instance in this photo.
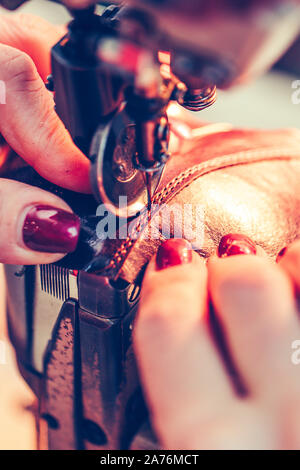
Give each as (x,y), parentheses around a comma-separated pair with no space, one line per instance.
(239,245)
(173,252)
(288,259)
(234,244)
(36,227)
(49,229)
(174,255)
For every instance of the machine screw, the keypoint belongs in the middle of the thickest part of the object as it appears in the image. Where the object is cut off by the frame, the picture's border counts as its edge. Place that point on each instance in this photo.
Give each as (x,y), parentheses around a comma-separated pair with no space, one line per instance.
(198,99)
(50,83)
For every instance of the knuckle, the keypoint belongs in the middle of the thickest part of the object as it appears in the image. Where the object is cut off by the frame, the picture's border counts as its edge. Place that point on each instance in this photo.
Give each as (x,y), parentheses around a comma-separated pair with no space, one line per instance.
(27,24)
(18,70)
(25,20)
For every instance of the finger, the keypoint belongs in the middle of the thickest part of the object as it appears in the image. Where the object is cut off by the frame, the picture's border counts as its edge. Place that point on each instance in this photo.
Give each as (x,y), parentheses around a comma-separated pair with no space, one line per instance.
(253,300)
(185,383)
(80,4)
(289,260)
(32,35)
(30,125)
(36,227)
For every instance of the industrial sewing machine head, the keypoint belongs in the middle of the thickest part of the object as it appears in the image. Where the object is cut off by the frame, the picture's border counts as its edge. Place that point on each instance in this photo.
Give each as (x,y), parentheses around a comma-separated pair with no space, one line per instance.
(113,76)
(112,85)
(115,72)
(113,80)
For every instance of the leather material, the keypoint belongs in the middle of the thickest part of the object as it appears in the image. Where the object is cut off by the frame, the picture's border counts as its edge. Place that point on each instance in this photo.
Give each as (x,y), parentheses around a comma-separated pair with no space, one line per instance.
(246,181)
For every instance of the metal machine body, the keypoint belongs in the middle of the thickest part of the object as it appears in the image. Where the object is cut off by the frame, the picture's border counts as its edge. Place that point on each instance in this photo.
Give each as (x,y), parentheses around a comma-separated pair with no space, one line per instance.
(72,333)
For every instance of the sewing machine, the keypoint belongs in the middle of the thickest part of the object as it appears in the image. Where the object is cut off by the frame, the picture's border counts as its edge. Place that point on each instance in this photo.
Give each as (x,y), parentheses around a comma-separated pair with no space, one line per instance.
(71,322)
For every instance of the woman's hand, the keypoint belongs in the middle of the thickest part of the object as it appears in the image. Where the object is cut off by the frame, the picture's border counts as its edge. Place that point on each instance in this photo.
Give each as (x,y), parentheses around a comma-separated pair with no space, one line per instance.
(33,228)
(192,400)
(28,121)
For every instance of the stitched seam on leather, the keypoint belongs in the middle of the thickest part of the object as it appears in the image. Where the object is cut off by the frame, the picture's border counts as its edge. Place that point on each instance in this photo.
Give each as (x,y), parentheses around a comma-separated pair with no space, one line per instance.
(223,162)
(194,172)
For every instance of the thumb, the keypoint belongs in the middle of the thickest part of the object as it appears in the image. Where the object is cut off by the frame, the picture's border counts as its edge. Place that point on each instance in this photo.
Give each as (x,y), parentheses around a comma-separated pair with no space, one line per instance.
(36,227)
(30,125)
(32,35)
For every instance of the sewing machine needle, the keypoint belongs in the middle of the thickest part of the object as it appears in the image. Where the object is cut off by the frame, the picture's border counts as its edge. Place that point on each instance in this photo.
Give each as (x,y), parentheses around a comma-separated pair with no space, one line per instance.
(149,190)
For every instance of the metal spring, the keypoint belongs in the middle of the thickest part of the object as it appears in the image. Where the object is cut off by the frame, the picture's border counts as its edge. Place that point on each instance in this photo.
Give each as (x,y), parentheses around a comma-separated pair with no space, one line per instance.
(197,100)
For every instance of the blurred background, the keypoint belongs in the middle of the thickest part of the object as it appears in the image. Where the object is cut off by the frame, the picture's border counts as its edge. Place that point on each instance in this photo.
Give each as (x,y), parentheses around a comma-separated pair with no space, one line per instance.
(267,103)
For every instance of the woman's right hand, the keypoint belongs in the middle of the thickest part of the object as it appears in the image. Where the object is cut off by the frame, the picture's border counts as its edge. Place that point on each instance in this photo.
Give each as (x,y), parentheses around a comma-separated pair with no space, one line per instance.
(192,400)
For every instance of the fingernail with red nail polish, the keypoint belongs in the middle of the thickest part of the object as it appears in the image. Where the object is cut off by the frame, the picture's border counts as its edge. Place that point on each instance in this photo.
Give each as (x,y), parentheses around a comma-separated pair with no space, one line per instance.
(236,244)
(173,252)
(50,230)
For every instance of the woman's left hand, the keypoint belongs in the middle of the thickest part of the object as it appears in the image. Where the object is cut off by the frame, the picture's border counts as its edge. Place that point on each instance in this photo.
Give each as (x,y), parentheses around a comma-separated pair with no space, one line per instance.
(192,399)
